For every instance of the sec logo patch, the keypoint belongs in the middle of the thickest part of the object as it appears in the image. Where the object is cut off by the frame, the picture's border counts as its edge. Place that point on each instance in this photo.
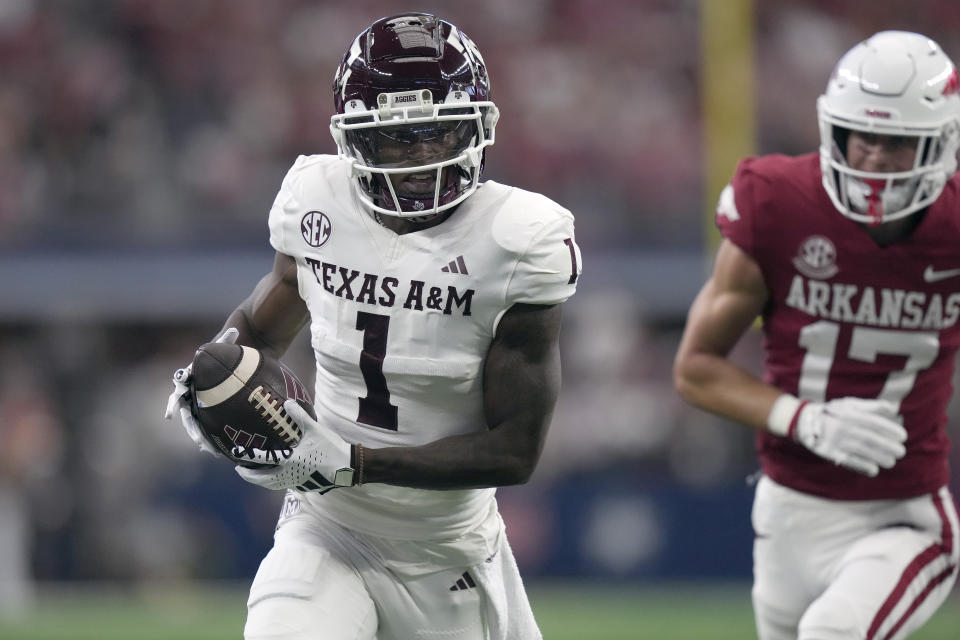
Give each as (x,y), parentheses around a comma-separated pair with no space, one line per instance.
(817,258)
(315,228)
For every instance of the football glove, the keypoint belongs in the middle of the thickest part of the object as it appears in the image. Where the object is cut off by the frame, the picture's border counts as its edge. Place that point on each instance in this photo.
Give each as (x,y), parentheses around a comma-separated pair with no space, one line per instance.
(179,400)
(859,434)
(320,461)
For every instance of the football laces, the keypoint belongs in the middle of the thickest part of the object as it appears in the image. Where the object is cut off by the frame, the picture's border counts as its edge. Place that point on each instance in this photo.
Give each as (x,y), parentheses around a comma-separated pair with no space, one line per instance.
(272,410)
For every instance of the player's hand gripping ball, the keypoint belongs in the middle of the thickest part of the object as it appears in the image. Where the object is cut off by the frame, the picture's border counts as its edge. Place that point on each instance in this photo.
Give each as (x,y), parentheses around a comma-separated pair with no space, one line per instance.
(237,395)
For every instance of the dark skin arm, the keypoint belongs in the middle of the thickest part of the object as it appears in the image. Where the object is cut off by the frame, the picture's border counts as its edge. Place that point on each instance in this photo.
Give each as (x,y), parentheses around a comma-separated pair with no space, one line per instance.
(273,314)
(521,382)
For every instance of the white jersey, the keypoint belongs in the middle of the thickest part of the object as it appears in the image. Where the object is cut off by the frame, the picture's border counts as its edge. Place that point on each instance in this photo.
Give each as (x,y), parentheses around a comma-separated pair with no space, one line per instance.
(401,324)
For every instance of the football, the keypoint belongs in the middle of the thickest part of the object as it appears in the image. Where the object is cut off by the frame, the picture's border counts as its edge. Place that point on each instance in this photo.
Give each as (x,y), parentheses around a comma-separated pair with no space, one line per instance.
(237,395)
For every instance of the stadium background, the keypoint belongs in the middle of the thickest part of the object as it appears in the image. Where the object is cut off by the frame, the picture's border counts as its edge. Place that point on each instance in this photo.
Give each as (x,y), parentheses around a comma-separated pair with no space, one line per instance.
(141,144)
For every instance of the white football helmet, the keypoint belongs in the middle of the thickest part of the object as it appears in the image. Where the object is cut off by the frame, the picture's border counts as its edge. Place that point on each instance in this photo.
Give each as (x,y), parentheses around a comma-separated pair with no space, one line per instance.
(894,83)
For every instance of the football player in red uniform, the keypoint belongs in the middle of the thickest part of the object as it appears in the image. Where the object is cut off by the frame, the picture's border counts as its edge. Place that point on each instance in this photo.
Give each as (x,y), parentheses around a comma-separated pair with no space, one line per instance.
(851,257)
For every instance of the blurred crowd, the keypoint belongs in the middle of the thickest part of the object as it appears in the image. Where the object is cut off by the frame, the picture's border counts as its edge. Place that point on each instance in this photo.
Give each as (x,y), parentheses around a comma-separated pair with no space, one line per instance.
(166,126)
(157,123)
(164,122)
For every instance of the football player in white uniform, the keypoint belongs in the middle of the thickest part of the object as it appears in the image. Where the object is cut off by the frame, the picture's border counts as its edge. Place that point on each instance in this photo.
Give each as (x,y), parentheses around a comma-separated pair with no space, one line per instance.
(434,303)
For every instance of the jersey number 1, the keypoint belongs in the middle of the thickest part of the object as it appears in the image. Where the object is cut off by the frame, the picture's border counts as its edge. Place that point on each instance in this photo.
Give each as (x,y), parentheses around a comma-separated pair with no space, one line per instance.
(375,409)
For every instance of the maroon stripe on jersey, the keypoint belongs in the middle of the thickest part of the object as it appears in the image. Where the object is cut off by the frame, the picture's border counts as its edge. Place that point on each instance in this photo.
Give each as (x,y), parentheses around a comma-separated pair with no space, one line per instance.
(925,558)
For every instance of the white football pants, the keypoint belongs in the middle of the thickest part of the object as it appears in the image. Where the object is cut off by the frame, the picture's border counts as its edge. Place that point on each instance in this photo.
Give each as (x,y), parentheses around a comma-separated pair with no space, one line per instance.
(323,581)
(842,570)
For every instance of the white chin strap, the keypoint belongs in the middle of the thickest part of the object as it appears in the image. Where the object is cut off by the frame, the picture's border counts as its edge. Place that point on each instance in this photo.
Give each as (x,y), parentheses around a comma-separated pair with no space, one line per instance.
(893,198)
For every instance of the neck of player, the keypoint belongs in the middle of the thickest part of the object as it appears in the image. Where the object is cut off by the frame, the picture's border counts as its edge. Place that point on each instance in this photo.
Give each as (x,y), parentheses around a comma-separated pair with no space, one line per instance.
(896,230)
(401,226)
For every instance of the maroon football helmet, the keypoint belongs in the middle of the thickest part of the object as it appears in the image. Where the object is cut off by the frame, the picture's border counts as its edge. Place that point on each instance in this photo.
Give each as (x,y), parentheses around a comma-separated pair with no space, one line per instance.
(413,114)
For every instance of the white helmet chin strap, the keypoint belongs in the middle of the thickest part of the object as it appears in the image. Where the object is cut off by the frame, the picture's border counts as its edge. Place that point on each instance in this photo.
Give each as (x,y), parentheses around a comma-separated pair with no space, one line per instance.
(875,198)
(893,197)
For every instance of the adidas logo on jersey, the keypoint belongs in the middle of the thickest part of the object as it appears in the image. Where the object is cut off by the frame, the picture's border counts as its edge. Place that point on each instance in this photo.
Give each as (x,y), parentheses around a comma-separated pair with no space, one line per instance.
(456,266)
(465,582)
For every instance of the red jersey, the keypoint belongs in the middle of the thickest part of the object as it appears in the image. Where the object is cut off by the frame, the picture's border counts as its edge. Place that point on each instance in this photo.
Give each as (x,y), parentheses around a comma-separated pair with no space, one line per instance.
(847,317)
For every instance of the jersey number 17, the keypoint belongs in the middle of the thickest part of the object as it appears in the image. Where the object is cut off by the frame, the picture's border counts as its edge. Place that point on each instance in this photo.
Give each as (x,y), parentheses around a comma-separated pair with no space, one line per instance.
(820,341)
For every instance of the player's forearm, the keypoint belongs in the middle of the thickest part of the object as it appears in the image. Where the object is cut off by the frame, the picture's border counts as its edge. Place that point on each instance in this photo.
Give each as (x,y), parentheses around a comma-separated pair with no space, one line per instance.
(458,462)
(519,408)
(273,314)
(246,333)
(251,336)
(714,384)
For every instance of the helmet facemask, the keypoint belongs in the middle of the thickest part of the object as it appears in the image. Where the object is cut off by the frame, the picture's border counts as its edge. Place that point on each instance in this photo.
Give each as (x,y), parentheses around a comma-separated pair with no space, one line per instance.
(875,197)
(413,158)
